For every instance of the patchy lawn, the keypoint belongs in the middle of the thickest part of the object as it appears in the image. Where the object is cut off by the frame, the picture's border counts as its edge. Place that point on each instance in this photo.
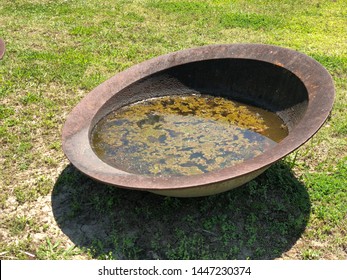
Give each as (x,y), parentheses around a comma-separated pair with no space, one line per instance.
(57,51)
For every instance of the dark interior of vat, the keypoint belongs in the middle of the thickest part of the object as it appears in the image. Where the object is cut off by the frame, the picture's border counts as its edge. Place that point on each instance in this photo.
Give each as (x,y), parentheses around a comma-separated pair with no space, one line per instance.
(249,81)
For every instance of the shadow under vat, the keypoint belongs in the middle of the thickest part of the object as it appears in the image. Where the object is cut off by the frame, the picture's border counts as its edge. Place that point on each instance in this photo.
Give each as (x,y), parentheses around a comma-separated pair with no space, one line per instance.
(260,220)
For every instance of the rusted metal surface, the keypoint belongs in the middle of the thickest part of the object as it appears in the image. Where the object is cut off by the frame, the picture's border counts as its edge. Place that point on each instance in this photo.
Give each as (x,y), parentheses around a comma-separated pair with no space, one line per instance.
(2,48)
(294,85)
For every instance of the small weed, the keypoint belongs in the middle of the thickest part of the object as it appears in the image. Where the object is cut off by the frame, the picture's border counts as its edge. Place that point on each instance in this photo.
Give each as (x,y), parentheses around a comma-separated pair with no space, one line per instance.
(55,251)
(19,224)
(31,191)
(6,112)
(187,247)
(310,254)
(31,98)
(24,147)
(22,249)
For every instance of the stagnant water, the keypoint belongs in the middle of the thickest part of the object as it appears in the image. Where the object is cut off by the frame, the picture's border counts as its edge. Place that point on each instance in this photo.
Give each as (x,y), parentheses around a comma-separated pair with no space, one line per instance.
(184,135)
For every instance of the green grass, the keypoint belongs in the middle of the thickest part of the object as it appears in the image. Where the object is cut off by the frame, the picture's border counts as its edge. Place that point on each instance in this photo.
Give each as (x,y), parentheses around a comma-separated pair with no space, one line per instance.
(57,51)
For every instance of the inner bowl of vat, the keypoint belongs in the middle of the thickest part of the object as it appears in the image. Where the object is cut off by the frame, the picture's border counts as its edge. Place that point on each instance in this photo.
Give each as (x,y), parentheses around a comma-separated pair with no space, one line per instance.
(292,86)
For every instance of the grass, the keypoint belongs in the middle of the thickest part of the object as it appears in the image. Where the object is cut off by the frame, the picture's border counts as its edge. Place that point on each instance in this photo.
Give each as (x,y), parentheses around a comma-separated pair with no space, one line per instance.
(57,51)
(236,224)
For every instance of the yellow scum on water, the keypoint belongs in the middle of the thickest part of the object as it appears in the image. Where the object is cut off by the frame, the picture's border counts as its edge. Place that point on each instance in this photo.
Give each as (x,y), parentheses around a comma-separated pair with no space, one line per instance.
(180,135)
(213,108)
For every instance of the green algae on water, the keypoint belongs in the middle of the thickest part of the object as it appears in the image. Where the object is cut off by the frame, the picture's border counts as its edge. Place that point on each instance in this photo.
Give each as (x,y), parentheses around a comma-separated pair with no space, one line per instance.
(184,135)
